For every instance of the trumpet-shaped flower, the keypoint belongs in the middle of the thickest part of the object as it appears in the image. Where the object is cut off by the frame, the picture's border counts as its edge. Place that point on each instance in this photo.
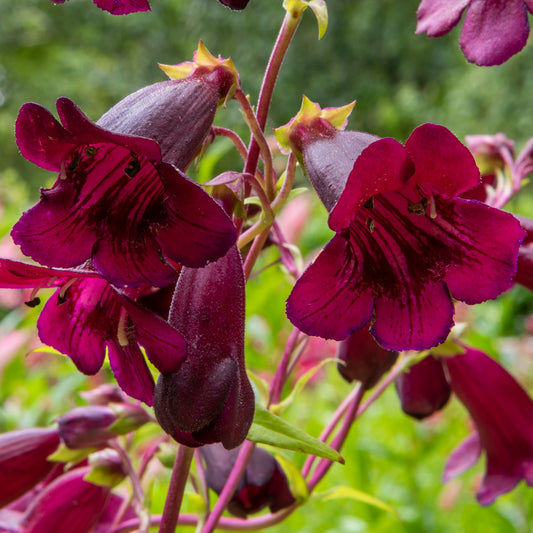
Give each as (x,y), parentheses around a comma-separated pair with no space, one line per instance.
(493,30)
(115,200)
(503,413)
(86,316)
(405,243)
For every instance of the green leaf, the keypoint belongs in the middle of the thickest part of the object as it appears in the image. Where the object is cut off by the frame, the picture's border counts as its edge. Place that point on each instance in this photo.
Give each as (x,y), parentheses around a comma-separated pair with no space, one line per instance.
(268,428)
(358,495)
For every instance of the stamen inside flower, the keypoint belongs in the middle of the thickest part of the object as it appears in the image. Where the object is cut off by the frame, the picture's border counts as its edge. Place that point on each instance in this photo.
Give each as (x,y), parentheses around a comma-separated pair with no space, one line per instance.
(62,297)
(124,331)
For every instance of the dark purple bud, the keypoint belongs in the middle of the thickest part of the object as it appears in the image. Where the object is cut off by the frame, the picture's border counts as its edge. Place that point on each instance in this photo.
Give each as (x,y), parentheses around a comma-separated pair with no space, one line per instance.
(263,484)
(23,460)
(235,4)
(365,360)
(69,504)
(423,389)
(93,426)
(177,114)
(209,399)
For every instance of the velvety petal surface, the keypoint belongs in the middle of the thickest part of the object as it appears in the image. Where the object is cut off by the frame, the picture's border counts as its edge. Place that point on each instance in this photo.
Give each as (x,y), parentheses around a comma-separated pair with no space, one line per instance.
(441,160)
(165,347)
(494,30)
(77,322)
(40,137)
(131,371)
(490,240)
(196,230)
(437,17)
(330,299)
(18,275)
(382,167)
(502,412)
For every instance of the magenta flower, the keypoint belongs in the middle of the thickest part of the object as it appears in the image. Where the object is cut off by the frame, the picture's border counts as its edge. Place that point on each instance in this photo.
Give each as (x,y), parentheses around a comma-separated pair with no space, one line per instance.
(115,202)
(493,30)
(24,460)
(503,415)
(405,243)
(118,7)
(209,398)
(263,484)
(86,316)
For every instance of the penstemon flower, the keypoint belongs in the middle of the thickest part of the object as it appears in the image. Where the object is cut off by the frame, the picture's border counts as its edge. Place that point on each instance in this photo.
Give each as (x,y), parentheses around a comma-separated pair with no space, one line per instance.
(118,7)
(86,317)
(405,242)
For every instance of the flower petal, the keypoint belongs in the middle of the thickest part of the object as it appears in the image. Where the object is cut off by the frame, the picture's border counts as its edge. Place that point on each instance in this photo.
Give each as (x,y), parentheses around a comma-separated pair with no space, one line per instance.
(336,310)
(502,412)
(40,137)
(462,457)
(165,347)
(131,371)
(383,166)
(437,17)
(77,322)
(18,275)
(197,230)
(441,160)
(490,240)
(493,31)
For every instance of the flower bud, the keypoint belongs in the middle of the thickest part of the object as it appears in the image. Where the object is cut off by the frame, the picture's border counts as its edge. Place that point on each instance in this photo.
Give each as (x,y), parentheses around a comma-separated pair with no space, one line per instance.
(23,460)
(365,360)
(423,389)
(209,399)
(263,484)
(93,426)
(235,4)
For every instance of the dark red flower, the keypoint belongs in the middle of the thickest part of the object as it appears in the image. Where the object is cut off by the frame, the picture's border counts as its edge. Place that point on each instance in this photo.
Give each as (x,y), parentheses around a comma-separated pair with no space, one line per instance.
(209,399)
(405,243)
(235,4)
(86,316)
(263,484)
(116,201)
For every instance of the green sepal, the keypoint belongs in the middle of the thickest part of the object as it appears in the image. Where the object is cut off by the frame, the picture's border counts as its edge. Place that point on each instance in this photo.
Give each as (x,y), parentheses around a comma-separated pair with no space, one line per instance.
(167,454)
(104,476)
(357,495)
(268,428)
(66,455)
(318,7)
(297,484)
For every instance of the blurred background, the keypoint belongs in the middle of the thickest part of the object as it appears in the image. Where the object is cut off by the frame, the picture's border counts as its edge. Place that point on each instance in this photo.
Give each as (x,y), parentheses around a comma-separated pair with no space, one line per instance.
(371,54)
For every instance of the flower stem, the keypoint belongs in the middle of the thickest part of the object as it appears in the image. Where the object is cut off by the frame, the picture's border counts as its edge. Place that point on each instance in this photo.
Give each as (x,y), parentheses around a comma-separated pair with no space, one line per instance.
(176,488)
(230,486)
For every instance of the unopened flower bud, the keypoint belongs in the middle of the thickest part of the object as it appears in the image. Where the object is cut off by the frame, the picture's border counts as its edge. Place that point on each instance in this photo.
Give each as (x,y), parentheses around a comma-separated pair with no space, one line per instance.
(23,460)
(263,484)
(364,359)
(423,389)
(93,426)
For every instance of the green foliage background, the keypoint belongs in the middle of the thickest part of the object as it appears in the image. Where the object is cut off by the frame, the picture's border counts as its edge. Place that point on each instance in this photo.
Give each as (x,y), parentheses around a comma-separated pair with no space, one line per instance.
(400,80)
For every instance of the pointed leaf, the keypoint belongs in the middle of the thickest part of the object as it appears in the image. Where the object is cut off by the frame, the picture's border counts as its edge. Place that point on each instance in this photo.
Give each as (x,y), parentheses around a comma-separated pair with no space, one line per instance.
(358,495)
(268,428)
